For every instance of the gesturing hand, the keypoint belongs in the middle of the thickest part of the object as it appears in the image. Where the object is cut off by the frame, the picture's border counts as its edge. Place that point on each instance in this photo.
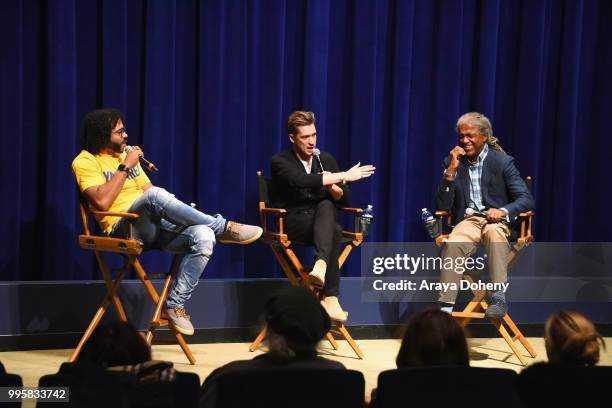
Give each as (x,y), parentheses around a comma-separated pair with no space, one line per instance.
(357,172)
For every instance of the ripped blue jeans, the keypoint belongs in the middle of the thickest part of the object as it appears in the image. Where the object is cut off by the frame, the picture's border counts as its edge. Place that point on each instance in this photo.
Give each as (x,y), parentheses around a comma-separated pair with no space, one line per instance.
(170,225)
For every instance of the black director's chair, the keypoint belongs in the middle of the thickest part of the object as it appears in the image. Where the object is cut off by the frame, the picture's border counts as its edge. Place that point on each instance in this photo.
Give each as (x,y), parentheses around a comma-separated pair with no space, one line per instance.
(130,249)
(476,307)
(293,268)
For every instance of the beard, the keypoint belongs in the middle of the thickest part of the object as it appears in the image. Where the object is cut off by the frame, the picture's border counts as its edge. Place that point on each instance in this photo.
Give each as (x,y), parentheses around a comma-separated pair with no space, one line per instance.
(116,147)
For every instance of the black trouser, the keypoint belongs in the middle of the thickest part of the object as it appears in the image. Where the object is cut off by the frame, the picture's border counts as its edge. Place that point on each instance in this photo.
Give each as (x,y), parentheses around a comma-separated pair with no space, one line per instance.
(318,226)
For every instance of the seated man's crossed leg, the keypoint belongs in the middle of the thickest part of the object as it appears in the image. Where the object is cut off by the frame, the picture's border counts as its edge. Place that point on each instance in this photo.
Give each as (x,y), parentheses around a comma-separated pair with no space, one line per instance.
(170,225)
(318,225)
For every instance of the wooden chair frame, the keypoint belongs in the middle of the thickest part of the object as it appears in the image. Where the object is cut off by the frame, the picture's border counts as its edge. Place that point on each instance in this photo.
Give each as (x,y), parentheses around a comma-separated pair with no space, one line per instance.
(478,305)
(293,267)
(130,249)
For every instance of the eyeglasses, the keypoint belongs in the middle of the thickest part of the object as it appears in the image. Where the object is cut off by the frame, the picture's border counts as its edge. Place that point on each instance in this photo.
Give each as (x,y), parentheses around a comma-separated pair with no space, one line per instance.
(120,132)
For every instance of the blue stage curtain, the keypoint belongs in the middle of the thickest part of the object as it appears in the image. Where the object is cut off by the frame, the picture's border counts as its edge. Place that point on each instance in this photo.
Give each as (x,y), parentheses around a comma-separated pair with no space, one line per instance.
(206,87)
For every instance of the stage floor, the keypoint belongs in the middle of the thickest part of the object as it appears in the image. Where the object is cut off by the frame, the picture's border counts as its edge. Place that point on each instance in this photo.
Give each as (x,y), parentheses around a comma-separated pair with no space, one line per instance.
(379,356)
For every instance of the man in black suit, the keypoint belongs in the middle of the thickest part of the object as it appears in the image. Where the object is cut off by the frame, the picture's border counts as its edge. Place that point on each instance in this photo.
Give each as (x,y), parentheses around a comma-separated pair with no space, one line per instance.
(309,189)
(485,193)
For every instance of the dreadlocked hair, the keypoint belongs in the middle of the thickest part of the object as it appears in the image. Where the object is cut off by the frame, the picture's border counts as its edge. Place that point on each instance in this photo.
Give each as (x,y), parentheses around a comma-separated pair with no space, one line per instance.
(96,128)
(484,124)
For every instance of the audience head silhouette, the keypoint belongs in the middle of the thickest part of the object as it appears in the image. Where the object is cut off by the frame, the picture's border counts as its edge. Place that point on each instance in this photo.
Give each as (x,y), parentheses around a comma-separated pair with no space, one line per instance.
(571,338)
(115,344)
(296,323)
(432,338)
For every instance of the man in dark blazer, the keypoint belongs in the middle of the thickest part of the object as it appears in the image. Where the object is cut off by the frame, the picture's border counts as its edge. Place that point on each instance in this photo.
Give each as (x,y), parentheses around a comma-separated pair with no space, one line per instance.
(485,194)
(309,187)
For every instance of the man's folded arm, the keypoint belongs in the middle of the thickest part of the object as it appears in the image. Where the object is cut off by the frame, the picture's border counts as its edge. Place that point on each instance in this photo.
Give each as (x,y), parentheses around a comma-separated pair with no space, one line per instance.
(93,185)
(103,196)
(293,177)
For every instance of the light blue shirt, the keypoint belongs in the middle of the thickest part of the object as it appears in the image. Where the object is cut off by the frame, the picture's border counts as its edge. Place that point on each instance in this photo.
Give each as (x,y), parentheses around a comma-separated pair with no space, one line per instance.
(475,171)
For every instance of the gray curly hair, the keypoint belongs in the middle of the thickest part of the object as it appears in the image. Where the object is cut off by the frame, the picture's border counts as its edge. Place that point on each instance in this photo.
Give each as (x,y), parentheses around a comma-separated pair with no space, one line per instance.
(484,124)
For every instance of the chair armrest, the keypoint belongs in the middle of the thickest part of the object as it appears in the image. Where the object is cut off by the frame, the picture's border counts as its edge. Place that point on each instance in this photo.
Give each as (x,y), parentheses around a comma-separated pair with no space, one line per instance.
(116,214)
(351,210)
(525,221)
(445,213)
(274,210)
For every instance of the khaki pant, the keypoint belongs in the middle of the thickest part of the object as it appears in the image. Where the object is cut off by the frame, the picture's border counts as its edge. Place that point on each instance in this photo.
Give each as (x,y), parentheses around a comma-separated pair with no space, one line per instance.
(463,241)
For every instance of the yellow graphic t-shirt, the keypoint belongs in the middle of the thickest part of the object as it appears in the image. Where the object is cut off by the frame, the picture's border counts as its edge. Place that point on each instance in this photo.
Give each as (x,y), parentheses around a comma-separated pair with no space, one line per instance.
(94,170)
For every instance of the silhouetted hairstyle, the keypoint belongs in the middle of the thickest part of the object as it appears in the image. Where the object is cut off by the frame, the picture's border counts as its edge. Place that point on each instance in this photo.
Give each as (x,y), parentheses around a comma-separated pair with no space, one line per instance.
(96,128)
(432,338)
(571,338)
(115,344)
(296,322)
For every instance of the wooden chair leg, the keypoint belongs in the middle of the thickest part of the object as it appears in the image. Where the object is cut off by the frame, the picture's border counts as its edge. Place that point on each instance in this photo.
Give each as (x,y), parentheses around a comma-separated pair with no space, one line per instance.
(478,303)
(344,332)
(344,254)
(156,318)
(181,341)
(518,335)
(260,337)
(502,330)
(285,265)
(159,305)
(142,275)
(92,326)
(111,297)
(297,265)
(112,286)
(290,262)
(332,341)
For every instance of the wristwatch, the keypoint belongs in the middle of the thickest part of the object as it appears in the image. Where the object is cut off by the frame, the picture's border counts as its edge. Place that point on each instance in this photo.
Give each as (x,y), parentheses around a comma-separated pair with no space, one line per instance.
(123,167)
(446,173)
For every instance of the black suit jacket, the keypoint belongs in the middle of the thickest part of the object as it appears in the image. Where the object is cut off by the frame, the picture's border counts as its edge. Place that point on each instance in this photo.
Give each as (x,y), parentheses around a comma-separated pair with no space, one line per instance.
(501,186)
(293,188)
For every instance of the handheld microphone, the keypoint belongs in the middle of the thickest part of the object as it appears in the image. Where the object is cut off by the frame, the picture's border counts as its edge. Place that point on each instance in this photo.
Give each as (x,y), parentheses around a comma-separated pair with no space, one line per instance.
(316,153)
(144,162)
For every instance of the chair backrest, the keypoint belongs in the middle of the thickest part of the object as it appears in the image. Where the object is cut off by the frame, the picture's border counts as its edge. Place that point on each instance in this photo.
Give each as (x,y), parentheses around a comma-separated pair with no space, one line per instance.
(549,385)
(528,182)
(93,386)
(295,388)
(265,189)
(446,387)
(10,380)
(84,211)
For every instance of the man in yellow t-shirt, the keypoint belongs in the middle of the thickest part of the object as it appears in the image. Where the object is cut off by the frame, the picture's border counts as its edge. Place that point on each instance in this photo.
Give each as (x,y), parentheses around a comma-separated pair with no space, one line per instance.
(112,179)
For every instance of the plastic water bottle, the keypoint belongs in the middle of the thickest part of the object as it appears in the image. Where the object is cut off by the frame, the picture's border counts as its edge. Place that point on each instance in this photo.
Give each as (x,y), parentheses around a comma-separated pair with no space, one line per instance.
(366,220)
(430,223)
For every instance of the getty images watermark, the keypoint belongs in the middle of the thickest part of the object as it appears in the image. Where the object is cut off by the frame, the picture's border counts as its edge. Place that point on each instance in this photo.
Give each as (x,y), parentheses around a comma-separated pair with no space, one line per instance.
(402,264)
(540,272)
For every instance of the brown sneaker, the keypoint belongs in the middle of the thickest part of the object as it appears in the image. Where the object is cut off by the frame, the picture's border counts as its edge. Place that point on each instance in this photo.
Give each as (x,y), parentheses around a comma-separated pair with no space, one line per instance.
(236,233)
(179,319)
